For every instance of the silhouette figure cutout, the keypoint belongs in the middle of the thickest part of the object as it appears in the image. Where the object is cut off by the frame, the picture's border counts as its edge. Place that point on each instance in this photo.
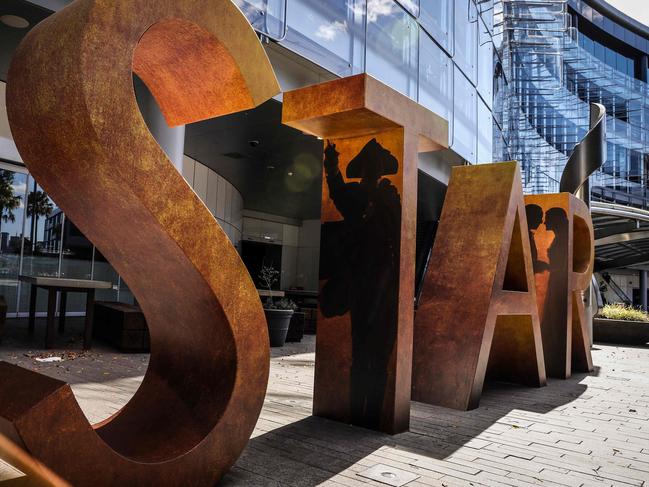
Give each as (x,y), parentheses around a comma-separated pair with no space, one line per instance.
(556,303)
(552,288)
(360,261)
(534,215)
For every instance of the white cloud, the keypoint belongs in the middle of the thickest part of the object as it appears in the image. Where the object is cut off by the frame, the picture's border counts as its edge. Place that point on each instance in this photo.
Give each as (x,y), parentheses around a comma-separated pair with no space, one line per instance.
(410,5)
(328,32)
(377,8)
(638,9)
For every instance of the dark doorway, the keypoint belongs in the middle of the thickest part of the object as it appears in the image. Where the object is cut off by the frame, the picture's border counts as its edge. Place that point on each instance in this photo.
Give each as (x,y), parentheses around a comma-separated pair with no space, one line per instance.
(257,254)
(430,199)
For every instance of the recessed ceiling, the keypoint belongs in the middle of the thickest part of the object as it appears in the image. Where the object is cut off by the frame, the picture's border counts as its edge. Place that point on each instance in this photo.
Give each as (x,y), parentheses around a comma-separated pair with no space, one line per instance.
(11,32)
(277,169)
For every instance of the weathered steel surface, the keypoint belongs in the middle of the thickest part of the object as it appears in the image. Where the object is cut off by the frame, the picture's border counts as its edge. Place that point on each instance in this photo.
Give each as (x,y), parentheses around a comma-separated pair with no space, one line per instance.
(562,242)
(477,313)
(76,123)
(364,345)
(36,474)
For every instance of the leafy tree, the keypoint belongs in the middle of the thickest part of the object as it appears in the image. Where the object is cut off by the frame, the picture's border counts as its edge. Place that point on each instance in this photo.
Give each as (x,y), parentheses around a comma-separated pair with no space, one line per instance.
(8,200)
(38,204)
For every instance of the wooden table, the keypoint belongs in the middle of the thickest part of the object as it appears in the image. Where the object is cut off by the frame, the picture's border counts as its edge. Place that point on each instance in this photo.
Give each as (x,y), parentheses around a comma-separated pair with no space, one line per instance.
(55,285)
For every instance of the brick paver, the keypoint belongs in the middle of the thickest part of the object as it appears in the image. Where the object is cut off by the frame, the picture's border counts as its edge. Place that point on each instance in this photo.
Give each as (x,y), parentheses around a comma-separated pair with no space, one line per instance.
(590,430)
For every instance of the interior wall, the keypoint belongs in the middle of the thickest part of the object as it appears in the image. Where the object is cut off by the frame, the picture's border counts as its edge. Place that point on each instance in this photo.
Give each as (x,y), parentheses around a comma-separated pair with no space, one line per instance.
(8,149)
(308,255)
(222,199)
(300,241)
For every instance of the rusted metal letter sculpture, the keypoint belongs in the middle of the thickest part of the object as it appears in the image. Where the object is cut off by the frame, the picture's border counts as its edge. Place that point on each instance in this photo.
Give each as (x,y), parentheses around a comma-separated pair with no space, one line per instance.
(76,123)
(477,313)
(561,237)
(364,345)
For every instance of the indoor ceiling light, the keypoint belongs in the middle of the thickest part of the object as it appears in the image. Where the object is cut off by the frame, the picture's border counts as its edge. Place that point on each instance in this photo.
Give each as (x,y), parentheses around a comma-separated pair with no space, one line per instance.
(14,21)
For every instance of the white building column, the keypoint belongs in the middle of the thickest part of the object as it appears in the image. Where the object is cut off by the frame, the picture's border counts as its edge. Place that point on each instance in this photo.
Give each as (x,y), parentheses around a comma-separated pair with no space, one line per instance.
(171,139)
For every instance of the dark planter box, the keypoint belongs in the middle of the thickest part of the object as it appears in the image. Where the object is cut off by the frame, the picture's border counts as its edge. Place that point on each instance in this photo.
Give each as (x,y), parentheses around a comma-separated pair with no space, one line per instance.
(620,331)
(122,325)
(296,327)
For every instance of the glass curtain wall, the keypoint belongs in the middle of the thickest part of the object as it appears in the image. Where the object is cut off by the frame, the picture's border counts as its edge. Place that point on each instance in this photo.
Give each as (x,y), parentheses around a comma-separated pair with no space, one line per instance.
(554,72)
(438,52)
(36,239)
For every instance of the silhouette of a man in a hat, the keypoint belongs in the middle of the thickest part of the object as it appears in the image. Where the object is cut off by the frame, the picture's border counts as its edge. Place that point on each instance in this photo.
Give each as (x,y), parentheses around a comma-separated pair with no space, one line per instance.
(360,259)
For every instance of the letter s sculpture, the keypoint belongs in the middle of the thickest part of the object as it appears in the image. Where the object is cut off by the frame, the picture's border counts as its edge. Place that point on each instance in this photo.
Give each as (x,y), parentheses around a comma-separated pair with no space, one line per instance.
(76,123)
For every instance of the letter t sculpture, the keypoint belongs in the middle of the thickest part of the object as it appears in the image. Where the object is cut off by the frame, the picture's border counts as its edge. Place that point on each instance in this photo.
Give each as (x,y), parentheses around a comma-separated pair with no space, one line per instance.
(372,136)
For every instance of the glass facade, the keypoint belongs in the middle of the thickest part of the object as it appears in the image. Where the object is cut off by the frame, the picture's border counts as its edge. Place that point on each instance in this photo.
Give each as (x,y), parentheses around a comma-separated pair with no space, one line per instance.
(37,239)
(438,52)
(555,63)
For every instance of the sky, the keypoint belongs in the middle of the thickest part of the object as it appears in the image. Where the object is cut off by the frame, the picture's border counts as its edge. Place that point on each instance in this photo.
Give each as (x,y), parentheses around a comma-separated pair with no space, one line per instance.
(638,9)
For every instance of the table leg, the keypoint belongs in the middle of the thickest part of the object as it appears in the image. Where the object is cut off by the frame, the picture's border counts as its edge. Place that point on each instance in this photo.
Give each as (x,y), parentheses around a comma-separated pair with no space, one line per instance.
(62,304)
(51,312)
(90,309)
(33,292)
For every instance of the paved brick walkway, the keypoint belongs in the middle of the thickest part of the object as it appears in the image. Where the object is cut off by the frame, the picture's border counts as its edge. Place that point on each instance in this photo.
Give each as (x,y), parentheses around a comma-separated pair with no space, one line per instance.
(589,430)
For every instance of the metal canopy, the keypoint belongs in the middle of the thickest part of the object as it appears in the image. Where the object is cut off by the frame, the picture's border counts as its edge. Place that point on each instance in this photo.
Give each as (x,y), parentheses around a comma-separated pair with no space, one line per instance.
(621,236)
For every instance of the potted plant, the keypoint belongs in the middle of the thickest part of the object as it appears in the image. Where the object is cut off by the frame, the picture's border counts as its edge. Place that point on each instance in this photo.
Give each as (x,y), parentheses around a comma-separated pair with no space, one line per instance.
(278,314)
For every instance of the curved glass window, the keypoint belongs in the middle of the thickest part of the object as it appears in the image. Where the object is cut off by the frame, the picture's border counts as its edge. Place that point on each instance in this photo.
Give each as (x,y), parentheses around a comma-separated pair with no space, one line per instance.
(411,6)
(485,65)
(466,38)
(330,33)
(436,16)
(464,117)
(435,78)
(266,16)
(392,37)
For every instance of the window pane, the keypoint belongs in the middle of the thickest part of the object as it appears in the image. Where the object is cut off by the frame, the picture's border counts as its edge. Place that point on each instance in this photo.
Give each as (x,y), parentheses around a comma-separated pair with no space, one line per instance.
(40,247)
(485,133)
(466,38)
(485,65)
(330,34)
(103,271)
(464,117)
(435,78)
(76,262)
(600,53)
(486,11)
(436,16)
(13,187)
(266,16)
(411,6)
(392,46)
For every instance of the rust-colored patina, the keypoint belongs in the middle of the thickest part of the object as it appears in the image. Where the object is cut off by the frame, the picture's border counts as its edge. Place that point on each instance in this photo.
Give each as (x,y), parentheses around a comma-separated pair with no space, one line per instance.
(76,123)
(477,313)
(563,252)
(364,344)
(35,473)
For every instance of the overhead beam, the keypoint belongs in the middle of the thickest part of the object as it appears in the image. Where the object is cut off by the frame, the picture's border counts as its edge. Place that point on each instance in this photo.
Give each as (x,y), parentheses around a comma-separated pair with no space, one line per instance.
(622,262)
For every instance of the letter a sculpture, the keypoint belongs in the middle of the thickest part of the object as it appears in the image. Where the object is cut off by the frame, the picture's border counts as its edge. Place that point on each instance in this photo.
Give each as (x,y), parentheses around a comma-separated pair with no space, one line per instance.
(78,128)
(477,313)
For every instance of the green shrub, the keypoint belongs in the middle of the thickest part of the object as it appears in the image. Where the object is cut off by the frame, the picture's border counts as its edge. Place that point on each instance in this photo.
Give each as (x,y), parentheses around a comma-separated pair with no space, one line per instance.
(619,311)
